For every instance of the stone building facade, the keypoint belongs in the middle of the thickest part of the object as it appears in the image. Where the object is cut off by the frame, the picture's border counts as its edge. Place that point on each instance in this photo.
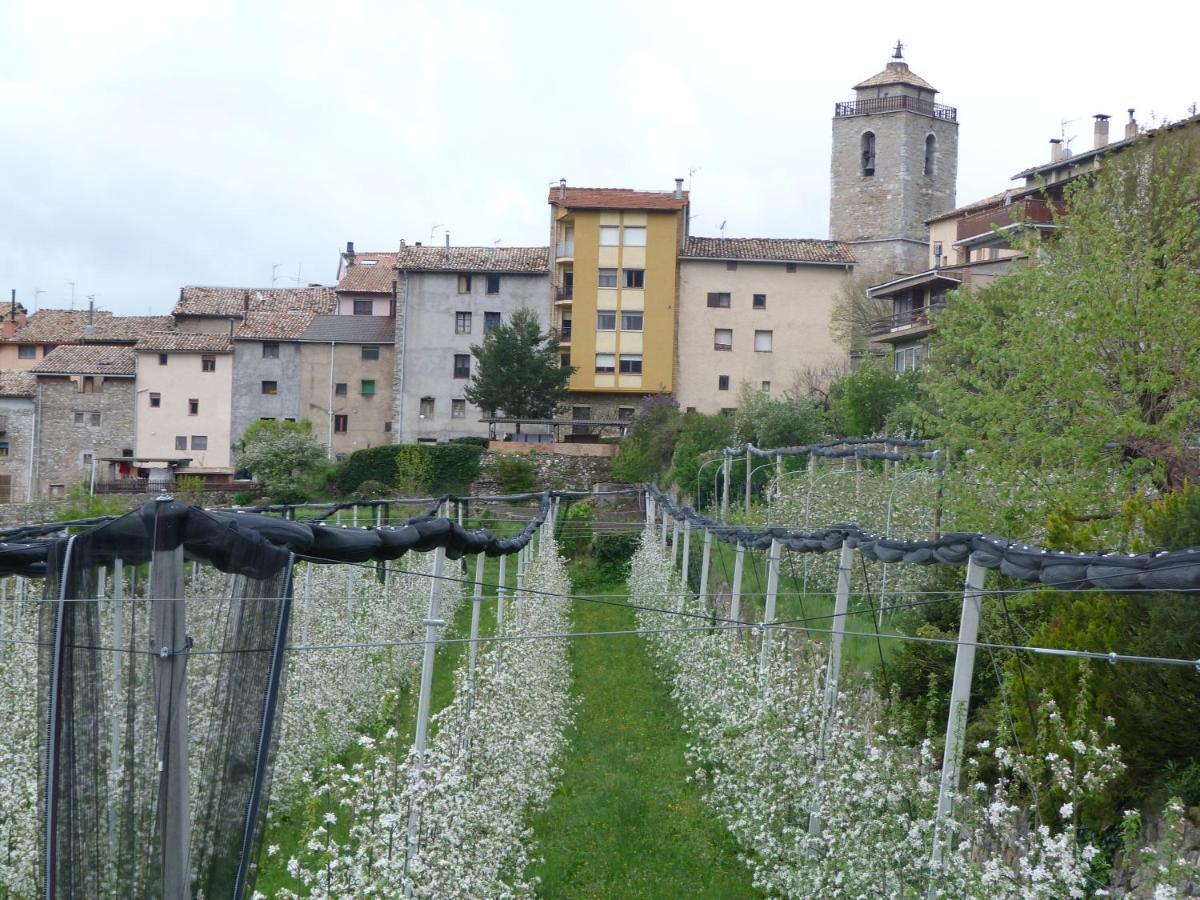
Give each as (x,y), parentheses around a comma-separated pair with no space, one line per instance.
(266,369)
(85,416)
(894,166)
(17,392)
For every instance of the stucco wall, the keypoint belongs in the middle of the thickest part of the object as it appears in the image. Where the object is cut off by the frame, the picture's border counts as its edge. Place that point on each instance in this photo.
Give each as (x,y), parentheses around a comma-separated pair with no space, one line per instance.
(367,416)
(797,313)
(250,370)
(428,343)
(181,379)
(17,413)
(63,441)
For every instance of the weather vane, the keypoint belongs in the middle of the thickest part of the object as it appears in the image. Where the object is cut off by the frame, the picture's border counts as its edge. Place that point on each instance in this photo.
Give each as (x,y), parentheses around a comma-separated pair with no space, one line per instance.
(899,54)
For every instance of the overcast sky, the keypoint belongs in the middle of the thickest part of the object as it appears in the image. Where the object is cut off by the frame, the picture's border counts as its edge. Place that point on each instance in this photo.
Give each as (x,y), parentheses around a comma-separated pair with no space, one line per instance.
(147,145)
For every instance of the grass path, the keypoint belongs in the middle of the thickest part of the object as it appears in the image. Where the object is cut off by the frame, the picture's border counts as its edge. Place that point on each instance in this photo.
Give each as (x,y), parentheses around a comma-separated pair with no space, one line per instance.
(625,821)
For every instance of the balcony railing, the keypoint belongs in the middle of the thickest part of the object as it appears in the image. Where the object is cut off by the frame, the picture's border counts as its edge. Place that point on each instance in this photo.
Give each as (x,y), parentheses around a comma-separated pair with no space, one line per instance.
(874,105)
(1037,212)
(564,293)
(564,333)
(564,250)
(913,318)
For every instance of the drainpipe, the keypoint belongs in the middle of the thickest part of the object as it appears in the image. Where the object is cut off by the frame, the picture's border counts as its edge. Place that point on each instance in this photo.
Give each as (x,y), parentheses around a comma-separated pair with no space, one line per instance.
(401,362)
(331,346)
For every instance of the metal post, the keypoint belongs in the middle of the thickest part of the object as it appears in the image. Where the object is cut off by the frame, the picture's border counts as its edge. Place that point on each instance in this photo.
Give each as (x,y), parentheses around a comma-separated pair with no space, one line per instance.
(476,602)
(649,511)
(432,623)
(501,590)
(354,514)
(778,477)
(674,543)
(705,557)
(956,722)
(769,610)
(833,673)
(170,666)
(118,639)
(749,475)
(308,570)
(735,602)
(663,537)
(521,554)
(687,559)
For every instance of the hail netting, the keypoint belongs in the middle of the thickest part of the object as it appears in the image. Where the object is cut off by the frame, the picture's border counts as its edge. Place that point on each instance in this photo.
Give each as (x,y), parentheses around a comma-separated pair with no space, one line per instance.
(160,671)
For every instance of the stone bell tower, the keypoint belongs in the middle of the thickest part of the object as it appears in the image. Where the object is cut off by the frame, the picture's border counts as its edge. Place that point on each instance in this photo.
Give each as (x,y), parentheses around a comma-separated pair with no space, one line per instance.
(895,162)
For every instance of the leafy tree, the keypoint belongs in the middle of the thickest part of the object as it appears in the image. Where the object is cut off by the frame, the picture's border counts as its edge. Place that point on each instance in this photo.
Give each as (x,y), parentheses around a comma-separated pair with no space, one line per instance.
(698,435)
(647,449)
(1076,377)
(519,371)
(285,457)
(861,402)
(767,421)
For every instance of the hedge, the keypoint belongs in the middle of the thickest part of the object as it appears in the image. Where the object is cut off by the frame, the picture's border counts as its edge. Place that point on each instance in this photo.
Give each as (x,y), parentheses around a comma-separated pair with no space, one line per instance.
(372,464)
(416,468)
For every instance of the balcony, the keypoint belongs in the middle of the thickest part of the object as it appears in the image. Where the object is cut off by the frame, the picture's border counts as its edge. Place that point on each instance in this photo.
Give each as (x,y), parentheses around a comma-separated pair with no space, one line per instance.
(912,321)
(564,251)
(564,295)
(1032,211)
(876,105)
(564,333)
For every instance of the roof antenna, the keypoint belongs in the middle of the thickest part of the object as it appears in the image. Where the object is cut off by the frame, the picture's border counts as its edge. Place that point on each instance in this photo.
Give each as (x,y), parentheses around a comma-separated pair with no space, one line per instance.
(723,221)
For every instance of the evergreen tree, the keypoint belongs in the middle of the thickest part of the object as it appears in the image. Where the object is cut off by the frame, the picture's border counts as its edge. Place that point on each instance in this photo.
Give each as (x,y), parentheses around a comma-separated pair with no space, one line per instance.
(518,371)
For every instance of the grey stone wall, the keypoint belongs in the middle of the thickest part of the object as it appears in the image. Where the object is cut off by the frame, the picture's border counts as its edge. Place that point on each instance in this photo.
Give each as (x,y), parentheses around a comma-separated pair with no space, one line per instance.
(553,471)
(18,418)
(250,370)
(62,442)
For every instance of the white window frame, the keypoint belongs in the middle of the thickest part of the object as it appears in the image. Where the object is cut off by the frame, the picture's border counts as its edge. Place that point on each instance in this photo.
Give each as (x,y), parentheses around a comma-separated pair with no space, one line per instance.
(606,363)
(607,275)
(634,236)
(610,235)
(718,344)
(764,340)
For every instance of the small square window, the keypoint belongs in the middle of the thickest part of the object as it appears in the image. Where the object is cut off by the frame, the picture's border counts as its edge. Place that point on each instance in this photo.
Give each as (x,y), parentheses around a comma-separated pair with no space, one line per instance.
(94,420)
(462,323)
(27,351)
(58,491)
(722,382)
(610,235)
(162,359)
(490,321)
(193,407)
(606,320)
(458,409)
(367,387)
(763,341)
(462,365)
(731,265)
(78,418)
(426,409)
(341,424)
(625,413)
(631,364)
(3,448)
(156,400)
(370,352)
(791,268)
(181,442)
(766,387)
(364,307)
(87,459)
(270,387)
(635,278)
(760,301)
(606,362)
(722,338)
(635,235)
(270,350)
(607,278)
(208,364)
(464,284)
(631,321)
(718,301)
(493,284)
(387,427)
(199,441)
(339,389)
(690,409)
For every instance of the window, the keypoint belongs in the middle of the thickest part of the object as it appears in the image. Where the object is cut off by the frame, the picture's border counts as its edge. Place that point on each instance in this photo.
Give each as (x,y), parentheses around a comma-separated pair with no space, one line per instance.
(635,278)
(270,350)
(87,384)
(690,409)
(605,362)
(490,321)
(631,321)
(462,365)
(930,153)
(937,253)
(199,441)
(493,284)
(426,410)
(341,424)
(766,387)
(868,153)
(908,359)
(387,427)
(728,410)
(270,387)
(631,364)
(607,278)
(718,301)
(760,301)
(763,341)
(155,400)
(731,265)
(27,351)
(458,409)
(791,268)
(78,418)
(625,413)
(162,359)
(3,448)
(462,323)
(722,382)
(94,419)
(58,491)
(635,235)
(610,235)
(181,442)
(722,338)
(606,320)
(370,352)
(193,407)
(366,387)
(364,308)
(208,364)
(564,360)
(87,460)
(339,389)
(464,284)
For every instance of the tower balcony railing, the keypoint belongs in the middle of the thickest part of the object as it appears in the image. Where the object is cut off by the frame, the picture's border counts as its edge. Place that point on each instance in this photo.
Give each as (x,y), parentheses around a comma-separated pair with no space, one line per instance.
(874,105)
(1032,210)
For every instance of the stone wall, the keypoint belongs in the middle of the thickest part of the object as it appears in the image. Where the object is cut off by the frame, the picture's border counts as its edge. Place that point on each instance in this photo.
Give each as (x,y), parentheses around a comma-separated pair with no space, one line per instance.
(69,429)
(553,470)
(17,415)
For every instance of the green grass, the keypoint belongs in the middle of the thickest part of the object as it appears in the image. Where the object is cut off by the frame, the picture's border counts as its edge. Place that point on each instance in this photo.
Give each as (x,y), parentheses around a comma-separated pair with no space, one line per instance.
(625,822)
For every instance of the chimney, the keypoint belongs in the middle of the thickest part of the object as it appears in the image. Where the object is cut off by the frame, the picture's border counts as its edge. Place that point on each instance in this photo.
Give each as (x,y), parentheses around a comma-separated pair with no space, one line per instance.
(1056,150)
(402,244)
(562,189)
(1131,127)
(417,244)
(90,328)
(1100,131)
(12,310)
(678,189)
(349,253)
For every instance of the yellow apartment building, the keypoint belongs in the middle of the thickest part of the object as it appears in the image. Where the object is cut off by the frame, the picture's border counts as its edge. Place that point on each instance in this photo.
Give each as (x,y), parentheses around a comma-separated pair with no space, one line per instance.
(615,292)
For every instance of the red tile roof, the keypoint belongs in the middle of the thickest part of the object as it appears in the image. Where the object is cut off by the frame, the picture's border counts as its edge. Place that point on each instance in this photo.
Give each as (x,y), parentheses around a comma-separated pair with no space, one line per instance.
(185,343)
(65,326)
(274,326)
(768,250)
(88,359)
(515,260)
(17,383)
(897,72)
(226,302)
(615,198)
(370,273)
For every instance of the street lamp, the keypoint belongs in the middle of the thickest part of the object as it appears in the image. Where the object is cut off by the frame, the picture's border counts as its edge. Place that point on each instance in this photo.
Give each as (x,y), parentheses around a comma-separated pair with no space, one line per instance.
(698,471)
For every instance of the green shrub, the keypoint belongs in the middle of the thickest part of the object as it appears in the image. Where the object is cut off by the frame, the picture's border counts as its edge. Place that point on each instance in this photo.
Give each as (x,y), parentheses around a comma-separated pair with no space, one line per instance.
(243,498)
(436,468)
(480,442)
(515,474)
(577,529)
(613,551)
(373,464)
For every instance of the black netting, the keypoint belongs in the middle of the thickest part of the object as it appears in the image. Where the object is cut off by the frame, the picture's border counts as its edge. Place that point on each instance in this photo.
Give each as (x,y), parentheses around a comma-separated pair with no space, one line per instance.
(160,672)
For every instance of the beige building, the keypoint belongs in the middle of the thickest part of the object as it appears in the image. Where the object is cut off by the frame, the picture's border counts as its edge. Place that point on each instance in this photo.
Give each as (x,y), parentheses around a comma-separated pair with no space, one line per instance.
(183,398)
(756,311)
